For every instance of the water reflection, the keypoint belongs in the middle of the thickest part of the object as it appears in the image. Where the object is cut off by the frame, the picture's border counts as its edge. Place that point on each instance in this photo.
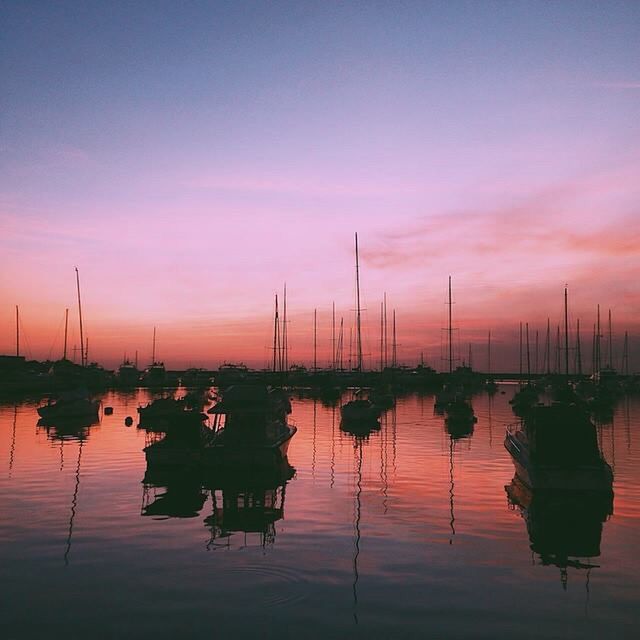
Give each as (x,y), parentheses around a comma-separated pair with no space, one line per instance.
(247,504)
(564,527)
(242,500)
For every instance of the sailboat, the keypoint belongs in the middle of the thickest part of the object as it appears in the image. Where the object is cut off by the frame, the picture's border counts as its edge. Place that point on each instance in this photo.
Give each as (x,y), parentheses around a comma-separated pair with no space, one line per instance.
(360,413)
(459,416)
(155,374)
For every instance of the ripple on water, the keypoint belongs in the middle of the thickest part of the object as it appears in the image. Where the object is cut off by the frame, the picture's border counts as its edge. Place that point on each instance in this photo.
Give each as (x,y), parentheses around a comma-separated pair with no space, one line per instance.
(278,586)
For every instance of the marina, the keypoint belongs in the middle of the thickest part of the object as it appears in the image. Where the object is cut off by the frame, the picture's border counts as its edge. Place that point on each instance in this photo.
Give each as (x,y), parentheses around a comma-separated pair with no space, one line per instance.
(352,531)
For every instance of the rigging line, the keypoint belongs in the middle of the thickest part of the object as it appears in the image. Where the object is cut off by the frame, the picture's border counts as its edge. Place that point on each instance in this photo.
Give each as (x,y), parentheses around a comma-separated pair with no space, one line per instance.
(55,338)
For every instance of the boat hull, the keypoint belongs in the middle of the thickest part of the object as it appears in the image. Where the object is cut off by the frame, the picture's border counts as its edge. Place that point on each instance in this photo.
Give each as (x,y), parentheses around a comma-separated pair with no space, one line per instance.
(592,477)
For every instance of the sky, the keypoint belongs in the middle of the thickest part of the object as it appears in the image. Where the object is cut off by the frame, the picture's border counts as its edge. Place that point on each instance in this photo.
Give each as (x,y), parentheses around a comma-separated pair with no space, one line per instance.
(190,158)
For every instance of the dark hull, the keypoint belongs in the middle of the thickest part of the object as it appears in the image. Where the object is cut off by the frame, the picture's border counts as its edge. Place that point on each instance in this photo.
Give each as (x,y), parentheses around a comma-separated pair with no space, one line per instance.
(590,477)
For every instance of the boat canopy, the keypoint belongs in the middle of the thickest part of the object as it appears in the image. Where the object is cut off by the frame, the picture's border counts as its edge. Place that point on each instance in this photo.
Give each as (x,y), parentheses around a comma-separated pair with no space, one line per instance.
(562,434)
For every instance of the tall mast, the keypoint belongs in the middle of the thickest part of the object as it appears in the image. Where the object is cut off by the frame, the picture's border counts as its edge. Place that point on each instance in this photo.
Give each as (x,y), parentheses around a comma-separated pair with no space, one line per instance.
(66,326)
(547,347)
(394,344)
(489,353)
(358,321)
(382,336)
(566,334)
(520,357)
(333,336)
(578,349)
(341,344)
(536,369)
(610,342)
(82,355)
(275,337)
(285,345)
(597,359)
(528,355)
(625,354)
(557,366)
(17,332)
(315,339)
(450,331)
(153,347)
(386,342)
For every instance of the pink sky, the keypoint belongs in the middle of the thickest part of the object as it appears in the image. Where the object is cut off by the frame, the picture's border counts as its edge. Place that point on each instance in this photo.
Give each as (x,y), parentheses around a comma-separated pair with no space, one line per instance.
(188,178)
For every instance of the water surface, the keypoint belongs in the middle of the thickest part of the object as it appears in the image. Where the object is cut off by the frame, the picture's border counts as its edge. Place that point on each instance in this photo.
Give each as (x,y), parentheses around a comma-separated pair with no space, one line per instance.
(406,533)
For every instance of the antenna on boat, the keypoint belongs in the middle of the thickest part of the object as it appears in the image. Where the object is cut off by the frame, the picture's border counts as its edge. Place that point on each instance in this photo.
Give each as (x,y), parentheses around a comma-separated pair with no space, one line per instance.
(358,319)
(82,354)
(625,354)
(153,348)
(489,354)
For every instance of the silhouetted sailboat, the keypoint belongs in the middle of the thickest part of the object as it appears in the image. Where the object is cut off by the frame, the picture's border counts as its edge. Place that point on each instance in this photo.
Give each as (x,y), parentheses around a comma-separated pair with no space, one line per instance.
(359,413)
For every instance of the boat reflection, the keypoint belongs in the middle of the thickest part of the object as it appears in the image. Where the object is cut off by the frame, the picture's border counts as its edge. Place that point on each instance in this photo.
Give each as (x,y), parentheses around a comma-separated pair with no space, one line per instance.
(243,500)
(247,503)
(59,429)
(564,527)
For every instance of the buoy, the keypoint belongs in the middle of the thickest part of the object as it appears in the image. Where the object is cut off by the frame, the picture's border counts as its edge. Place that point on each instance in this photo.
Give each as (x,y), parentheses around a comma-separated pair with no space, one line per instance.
(128,421)
(108,411)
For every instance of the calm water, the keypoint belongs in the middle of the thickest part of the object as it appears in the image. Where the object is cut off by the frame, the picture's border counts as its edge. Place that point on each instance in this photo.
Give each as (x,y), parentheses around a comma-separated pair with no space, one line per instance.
(404,534)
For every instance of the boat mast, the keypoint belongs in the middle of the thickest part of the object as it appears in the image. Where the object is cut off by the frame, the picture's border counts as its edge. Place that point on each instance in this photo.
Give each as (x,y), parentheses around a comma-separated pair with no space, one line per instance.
(547,347)
(340,357)
(82,355)
(578,349)
(536,368)
(153,347)
(489,354)
(394,344)
(333,336)
(597,359)
(625,354)
(315,339)
(382,336)
(358,319)
(528,356)
(520,357)
(449,332)
(386,341)
(610,342)
(275,337)
(66,326)
(17,332)
(566,333)
(285,346)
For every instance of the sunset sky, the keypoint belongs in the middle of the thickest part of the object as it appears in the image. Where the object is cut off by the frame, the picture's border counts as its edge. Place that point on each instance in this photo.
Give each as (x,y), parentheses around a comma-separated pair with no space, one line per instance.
(189,158)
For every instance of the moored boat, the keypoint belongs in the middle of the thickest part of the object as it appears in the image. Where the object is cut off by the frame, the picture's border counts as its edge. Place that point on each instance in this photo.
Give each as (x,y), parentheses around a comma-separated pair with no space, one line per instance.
(556,447)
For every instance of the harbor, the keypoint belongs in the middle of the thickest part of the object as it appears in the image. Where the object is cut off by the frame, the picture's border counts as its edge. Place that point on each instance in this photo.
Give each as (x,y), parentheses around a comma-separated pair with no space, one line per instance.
(407,520)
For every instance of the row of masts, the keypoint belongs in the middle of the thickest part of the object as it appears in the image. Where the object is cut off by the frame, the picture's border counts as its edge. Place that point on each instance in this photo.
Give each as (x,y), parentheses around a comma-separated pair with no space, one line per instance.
(84,344)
